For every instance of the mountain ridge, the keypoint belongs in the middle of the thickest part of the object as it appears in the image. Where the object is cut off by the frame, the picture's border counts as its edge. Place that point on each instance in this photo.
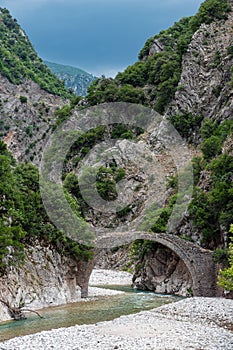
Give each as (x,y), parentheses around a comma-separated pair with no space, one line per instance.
(19,60)
(74,78)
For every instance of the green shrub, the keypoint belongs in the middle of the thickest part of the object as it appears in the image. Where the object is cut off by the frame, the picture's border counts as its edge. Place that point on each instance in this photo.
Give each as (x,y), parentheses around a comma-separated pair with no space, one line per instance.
(121,131)
(134,75)
(23,99)
(208,128)
(121,213)
(186,124)
(216,60)
(210,10)
(213,210)
(230,51)
(106,184)
(211,147)
(221,255)
(225,278)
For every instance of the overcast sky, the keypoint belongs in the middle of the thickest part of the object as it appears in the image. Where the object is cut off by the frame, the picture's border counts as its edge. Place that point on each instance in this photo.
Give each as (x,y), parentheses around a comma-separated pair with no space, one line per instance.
(99,36)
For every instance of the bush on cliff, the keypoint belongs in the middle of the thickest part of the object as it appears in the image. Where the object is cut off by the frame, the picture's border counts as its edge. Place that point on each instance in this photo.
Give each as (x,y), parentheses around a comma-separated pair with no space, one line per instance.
(225,279)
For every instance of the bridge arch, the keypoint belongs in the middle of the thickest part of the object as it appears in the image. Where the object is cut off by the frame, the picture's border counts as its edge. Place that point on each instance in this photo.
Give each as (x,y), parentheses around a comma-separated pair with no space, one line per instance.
(198,261)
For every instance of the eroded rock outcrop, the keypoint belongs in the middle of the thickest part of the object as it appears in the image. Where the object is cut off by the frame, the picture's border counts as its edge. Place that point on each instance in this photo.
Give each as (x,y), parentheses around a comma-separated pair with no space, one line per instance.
(27,116)
(205,87)
(45,279)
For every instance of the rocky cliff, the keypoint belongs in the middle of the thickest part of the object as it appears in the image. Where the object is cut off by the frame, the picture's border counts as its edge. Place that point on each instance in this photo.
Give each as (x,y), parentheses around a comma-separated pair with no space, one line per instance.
(46,278)
(205,87)
(29,96)
(29,93)
(27,117)
(162,271)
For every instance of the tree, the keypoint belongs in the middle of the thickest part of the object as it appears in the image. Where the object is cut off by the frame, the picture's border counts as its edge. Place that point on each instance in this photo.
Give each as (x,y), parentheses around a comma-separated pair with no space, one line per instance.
(211,147)
(225,278)
(23,218)
(134,75)
(210,10)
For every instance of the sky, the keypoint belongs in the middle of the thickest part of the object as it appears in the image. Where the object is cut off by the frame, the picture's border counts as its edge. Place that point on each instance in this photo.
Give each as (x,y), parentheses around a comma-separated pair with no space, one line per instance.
(99,36)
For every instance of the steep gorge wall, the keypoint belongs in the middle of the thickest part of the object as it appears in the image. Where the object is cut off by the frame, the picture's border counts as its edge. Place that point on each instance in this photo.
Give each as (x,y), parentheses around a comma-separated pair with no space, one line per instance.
(45,279)
(205,87)
(27,116)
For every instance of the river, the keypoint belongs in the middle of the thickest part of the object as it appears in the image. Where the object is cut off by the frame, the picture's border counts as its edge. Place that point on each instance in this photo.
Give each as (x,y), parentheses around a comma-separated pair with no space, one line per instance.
(85,312)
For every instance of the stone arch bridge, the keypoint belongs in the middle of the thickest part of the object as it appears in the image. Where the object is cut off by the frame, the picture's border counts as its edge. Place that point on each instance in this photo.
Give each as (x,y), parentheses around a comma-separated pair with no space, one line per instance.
(198,261)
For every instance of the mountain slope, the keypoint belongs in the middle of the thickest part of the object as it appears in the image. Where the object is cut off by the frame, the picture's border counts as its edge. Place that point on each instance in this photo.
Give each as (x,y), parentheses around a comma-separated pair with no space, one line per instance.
(74,78)
(27,116)
(154,79)
(29,93)
(206,84)
(19,61)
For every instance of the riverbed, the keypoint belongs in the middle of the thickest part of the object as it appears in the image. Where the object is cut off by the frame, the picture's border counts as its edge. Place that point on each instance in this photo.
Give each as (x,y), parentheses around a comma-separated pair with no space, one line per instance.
(104,304)
(191,323)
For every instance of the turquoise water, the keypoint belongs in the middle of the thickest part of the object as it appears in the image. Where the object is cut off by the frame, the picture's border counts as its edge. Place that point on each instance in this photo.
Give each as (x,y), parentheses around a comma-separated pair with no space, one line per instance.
(85,312)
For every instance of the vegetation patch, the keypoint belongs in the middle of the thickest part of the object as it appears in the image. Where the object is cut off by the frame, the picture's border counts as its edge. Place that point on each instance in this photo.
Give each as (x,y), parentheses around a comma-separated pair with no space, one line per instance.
(23,217)
(19,61)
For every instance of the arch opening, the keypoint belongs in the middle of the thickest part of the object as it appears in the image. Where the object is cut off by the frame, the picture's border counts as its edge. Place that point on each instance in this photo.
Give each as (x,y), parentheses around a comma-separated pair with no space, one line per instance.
(161,270)
(197,263)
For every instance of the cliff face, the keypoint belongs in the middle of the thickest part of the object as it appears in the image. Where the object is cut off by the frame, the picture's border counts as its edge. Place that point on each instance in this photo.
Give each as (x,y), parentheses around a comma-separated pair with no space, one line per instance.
(205,87)
(45,279)
(27,115)
(29,96)
(161,271)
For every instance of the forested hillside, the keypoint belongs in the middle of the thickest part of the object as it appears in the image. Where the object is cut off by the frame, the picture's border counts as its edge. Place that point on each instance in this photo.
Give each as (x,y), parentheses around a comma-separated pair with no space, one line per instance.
(23,217)
(29,96)
(74,78)
(19,61)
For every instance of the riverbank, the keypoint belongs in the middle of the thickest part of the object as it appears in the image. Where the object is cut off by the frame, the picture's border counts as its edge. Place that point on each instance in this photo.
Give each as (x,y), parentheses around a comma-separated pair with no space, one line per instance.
(106,277)
(98,277)
(195,323)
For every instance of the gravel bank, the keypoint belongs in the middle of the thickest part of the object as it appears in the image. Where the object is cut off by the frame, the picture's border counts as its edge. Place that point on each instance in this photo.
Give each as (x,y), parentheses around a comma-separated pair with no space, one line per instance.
(195,323)
(106,277)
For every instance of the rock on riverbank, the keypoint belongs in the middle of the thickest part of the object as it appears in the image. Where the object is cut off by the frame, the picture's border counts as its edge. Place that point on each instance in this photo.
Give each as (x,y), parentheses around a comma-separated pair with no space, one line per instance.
(195,323)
